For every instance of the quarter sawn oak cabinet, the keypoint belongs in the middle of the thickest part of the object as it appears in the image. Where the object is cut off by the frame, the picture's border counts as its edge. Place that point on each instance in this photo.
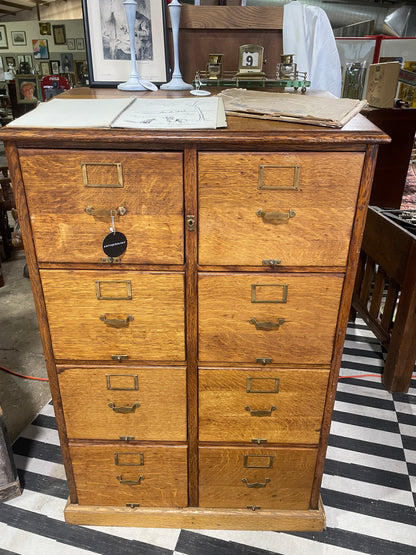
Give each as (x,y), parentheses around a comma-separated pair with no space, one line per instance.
(193,376)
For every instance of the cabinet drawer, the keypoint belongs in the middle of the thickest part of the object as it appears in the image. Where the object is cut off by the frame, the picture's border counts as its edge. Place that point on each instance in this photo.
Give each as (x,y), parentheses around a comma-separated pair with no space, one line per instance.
(294,207)
(97,315)
(280,406)
(152,476)
(60,185)
(110,402)
(285,317)
(241,477)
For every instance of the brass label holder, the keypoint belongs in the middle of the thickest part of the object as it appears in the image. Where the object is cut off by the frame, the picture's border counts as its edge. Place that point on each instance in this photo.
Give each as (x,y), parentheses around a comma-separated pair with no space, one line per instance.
(101,283)
(274,385)
(265,461)
(134,377)
(118,455)
(119,183)
(293,169)
(282,286)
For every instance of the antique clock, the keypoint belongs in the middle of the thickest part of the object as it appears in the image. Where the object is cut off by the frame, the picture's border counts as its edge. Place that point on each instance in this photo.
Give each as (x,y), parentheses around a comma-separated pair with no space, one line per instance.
(250,61)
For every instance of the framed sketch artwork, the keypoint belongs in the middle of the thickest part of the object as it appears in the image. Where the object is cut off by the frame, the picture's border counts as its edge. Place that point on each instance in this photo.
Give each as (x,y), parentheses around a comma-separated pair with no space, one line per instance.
(108,45)
(18,38)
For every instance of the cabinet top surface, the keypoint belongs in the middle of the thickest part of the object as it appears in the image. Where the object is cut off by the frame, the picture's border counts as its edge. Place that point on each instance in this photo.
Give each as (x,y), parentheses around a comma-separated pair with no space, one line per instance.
(240,131)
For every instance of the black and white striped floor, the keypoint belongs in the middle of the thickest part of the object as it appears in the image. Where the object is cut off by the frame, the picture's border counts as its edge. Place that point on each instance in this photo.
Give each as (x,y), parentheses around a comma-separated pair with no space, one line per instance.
(369,486)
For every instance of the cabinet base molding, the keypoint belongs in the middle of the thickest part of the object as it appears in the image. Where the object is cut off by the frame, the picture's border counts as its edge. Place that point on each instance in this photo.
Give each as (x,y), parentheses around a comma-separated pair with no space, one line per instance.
(197,518)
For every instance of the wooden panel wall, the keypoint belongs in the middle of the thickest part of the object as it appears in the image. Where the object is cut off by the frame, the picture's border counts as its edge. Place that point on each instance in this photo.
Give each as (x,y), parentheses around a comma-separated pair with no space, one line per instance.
(208,30)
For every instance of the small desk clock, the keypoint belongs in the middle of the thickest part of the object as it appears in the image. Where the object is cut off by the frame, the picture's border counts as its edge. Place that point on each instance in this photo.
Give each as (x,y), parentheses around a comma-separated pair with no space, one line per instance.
(250,61)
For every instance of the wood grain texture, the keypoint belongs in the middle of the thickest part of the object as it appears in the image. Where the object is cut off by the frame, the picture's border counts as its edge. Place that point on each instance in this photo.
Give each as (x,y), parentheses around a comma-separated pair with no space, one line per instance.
(12,154)
(231,232)
(191,320)
(152,194)
(296,418)
(231,17)
(164,469)
(305,337)
(344,309)
(78,333)
(181,316)
(193,517)
(221,475)
(161,394)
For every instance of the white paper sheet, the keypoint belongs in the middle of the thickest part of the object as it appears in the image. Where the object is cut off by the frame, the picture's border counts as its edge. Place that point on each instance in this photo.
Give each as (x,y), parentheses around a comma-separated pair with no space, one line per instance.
(71,113)
(173,113)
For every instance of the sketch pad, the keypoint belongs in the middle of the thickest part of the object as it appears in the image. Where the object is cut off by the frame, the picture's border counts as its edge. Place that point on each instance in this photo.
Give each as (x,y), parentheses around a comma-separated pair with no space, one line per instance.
(131,112)
(73,113)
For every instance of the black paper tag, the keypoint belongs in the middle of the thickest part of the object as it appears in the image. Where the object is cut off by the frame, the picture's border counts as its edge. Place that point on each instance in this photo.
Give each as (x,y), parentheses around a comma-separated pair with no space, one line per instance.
(114,244)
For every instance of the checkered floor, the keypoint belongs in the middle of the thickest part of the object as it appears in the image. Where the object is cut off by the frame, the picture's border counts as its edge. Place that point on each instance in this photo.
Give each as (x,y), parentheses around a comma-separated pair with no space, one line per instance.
(369,486)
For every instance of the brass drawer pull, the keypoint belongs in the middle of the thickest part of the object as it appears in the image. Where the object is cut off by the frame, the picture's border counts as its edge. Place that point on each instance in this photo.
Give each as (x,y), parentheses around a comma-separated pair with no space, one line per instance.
(132,482)
(277,217)
(267,326)
(116,322)
(256,485)
(124,410)
(106,212)
(260,413)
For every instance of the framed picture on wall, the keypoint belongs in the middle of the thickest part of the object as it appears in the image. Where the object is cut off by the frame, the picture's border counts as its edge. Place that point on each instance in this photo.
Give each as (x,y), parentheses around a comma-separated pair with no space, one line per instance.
(59,35)
(18,38)
(108,45)
(3,37)
(27,89)
(67,63)
(40,48)
(44,68)
(10,61)
(55,67)
(81,72)
(44,28)
(70,44)
(80,44)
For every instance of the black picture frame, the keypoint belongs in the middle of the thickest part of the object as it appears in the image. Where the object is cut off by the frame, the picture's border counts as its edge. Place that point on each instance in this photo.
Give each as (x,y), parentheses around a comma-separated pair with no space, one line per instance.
(59,34)
(109,64)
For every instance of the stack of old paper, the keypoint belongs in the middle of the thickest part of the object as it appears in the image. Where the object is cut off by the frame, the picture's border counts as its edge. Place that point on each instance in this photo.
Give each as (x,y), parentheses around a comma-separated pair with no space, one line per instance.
(327,111)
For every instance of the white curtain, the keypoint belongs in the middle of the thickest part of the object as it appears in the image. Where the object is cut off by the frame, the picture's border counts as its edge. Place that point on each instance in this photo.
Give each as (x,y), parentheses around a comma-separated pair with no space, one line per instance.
(308,35)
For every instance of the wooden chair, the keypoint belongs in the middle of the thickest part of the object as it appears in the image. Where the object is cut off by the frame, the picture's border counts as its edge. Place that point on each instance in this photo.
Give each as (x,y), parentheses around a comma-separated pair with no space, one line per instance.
(385,294)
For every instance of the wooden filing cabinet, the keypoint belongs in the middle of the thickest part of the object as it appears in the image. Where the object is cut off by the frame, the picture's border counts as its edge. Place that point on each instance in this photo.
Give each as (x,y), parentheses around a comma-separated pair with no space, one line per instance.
(193,376)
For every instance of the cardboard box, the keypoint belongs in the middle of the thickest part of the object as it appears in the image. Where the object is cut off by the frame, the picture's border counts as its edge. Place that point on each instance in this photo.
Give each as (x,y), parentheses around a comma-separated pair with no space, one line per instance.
(382,84)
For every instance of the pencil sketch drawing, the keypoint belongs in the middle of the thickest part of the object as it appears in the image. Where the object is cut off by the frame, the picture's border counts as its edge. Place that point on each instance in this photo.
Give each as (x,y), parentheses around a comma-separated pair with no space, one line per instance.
(115,33)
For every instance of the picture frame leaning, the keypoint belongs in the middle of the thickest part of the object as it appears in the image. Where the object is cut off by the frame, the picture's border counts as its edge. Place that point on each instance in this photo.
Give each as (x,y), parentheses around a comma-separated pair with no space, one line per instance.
(108,46)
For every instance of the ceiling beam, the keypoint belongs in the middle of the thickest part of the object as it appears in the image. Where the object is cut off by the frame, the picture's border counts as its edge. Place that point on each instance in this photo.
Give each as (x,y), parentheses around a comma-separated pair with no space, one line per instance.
(14,5)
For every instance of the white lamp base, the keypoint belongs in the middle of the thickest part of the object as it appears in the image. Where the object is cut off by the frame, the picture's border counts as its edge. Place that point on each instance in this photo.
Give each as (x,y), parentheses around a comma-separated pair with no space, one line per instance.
(133,84)
(176,84)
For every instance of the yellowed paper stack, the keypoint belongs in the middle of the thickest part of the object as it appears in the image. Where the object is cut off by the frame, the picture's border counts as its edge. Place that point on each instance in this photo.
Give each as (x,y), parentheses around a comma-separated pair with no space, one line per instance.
(327,111)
